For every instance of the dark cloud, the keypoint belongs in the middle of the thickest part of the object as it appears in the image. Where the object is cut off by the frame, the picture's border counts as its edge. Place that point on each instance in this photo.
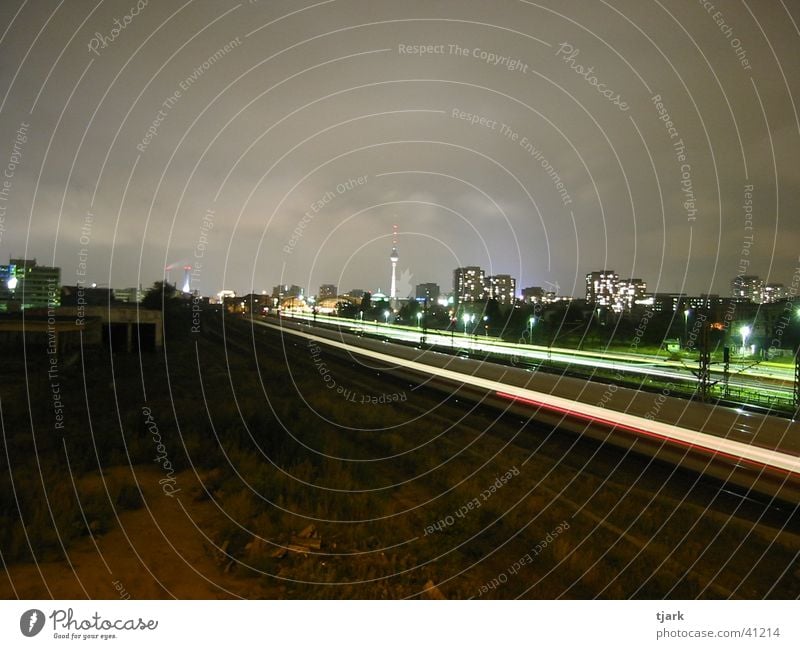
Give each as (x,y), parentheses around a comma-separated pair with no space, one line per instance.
(259,124)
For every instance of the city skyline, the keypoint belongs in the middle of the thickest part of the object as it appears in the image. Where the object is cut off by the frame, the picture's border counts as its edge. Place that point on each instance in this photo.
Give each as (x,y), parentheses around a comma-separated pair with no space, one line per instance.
(176,274)
(469,283)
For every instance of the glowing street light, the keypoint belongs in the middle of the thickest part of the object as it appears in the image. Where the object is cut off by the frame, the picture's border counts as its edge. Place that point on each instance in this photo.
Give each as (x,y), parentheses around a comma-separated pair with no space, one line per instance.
(745,331)
(531,322)
(465,318)
(387,314)
(419,318)
(686,327)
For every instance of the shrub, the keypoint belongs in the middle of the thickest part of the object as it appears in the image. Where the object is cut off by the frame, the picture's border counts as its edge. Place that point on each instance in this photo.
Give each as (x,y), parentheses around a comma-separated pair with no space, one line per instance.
(129,497)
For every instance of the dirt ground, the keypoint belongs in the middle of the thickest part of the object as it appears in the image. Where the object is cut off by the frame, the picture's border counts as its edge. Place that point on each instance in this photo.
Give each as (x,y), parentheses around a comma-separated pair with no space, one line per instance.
(157,551)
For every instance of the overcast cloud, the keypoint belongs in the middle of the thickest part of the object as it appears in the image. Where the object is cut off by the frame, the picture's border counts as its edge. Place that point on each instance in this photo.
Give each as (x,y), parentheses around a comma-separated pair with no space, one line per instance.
(259,110)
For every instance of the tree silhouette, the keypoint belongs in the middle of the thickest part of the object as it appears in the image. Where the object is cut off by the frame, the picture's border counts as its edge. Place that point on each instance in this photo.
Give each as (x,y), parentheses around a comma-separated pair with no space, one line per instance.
(159,295)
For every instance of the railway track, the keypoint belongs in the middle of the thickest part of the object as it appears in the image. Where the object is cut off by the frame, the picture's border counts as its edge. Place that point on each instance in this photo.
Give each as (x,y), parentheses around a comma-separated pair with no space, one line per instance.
(571,459)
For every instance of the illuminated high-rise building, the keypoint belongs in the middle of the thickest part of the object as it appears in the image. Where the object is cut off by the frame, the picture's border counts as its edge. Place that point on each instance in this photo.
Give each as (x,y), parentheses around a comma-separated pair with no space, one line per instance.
(773,293)
(750,287)
(26,284)
(604,288)
(469,284)
(601,287)
(327,291)
(502,288)
(629,292)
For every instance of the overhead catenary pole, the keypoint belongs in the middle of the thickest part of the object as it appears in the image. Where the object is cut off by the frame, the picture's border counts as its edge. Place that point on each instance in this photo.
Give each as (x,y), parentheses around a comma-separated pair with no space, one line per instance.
(424,318)
(393,258)
(705,364)
(797,379)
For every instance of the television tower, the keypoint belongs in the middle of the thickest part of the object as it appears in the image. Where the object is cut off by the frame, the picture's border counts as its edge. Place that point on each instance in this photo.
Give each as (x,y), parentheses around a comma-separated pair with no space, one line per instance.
(394,258)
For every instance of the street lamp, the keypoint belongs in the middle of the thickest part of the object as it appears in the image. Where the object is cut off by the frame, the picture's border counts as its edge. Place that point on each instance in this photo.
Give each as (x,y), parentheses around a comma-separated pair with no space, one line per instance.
(745,331)
(419,319)
(465,318)
(387,314)
(686,327)
(531,322)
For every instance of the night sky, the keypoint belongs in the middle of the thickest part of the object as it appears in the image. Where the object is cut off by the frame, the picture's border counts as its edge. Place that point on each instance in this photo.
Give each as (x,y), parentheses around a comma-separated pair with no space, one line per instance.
(279,141)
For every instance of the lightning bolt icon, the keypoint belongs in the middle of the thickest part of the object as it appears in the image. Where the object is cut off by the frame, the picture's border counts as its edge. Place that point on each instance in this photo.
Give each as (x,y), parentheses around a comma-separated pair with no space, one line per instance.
(32,621)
